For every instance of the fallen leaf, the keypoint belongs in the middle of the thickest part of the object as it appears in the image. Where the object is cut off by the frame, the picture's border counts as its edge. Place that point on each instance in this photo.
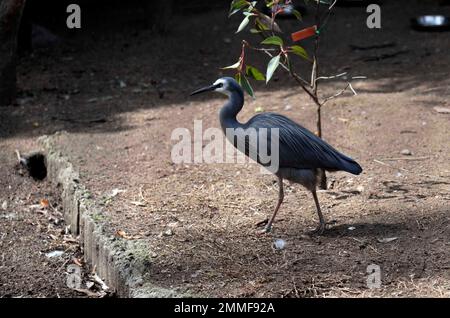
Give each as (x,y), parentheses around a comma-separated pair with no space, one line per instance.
(115,192)
(442,110)
(54,254)
(137,203)
(387,239)
(124,235)
(77,261)
(98,280)
(70,240)
(87,292)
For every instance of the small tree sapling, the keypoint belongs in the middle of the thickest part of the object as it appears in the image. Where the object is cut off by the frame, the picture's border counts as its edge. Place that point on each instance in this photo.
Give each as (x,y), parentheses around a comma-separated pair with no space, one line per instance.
(276,47)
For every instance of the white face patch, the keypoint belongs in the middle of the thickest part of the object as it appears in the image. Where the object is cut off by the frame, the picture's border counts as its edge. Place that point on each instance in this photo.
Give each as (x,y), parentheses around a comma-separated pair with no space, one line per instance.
(224,88)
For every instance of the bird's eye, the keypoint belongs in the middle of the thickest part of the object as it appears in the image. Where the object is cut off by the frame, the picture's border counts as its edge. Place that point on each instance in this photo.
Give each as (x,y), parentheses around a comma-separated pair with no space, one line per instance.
(220,85)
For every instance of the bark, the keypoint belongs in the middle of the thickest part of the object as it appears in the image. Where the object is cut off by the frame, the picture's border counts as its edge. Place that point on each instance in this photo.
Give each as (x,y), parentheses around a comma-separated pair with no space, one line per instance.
(315,71)
(10,15)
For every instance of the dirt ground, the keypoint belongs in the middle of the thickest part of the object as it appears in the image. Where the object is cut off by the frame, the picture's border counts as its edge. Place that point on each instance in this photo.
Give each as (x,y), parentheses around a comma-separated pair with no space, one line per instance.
(120,94)
(29,231)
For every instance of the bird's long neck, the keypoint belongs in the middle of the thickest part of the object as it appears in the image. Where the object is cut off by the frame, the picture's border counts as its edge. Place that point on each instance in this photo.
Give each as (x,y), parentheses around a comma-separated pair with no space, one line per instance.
(230,110)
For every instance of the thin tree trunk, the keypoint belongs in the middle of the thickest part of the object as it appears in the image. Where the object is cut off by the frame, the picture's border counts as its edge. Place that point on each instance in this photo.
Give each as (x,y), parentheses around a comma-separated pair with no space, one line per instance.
(10,15)
(314,84)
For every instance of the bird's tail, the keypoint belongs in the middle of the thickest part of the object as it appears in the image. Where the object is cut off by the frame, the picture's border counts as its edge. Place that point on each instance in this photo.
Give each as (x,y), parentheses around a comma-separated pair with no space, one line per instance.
(350,165)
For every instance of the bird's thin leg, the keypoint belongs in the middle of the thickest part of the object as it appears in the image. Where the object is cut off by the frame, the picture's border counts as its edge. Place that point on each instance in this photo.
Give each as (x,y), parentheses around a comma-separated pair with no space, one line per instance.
(268,227)
(321,227)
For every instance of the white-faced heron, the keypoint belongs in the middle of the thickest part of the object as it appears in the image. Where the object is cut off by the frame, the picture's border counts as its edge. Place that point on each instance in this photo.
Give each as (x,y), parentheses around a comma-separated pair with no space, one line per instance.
(301,153)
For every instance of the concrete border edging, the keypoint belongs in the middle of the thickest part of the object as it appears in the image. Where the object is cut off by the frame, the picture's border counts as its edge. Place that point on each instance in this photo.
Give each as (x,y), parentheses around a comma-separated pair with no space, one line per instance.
(122,264)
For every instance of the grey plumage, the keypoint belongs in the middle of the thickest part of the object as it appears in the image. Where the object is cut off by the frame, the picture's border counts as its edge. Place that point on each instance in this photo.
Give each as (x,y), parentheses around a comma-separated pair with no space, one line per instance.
(299,148)
(301,153)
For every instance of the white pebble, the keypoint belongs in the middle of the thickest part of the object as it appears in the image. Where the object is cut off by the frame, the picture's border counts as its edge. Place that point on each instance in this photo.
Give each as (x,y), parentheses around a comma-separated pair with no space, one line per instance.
(406,152)
(279,244)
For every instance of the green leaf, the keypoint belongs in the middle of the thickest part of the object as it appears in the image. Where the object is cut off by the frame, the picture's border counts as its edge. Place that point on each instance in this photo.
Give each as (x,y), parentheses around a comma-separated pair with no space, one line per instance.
(234,66)
(243,81)
(243,24)
(298,50)
(237,77)
(255,73)
(271,67)
(246,86)
(267,24)
(297,14)
(236,6)
(233,12)
(273,40)
(254,31)
(260,26)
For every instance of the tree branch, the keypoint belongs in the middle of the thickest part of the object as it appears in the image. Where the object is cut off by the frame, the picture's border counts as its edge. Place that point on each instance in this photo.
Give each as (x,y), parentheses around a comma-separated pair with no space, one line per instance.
(267,51)
(342,91)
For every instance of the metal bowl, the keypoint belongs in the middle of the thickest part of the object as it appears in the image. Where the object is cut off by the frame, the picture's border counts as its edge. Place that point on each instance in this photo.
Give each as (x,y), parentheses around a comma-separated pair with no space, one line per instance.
(431,23)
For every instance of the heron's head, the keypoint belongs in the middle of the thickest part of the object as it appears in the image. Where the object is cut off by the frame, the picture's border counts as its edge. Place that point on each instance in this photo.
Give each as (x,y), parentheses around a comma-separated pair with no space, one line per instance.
(224,85)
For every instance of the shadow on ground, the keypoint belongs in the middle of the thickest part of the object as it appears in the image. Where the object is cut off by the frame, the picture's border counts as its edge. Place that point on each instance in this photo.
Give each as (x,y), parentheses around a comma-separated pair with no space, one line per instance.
(336,260)
(94,77)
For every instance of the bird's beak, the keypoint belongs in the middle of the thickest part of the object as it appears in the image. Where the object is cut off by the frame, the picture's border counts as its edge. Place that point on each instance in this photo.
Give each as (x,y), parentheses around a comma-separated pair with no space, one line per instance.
(205,89)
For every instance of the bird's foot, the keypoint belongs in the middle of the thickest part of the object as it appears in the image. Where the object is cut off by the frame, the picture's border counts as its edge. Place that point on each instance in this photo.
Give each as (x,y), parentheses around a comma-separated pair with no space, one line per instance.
(262,223)
(319,230)
(267,229)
